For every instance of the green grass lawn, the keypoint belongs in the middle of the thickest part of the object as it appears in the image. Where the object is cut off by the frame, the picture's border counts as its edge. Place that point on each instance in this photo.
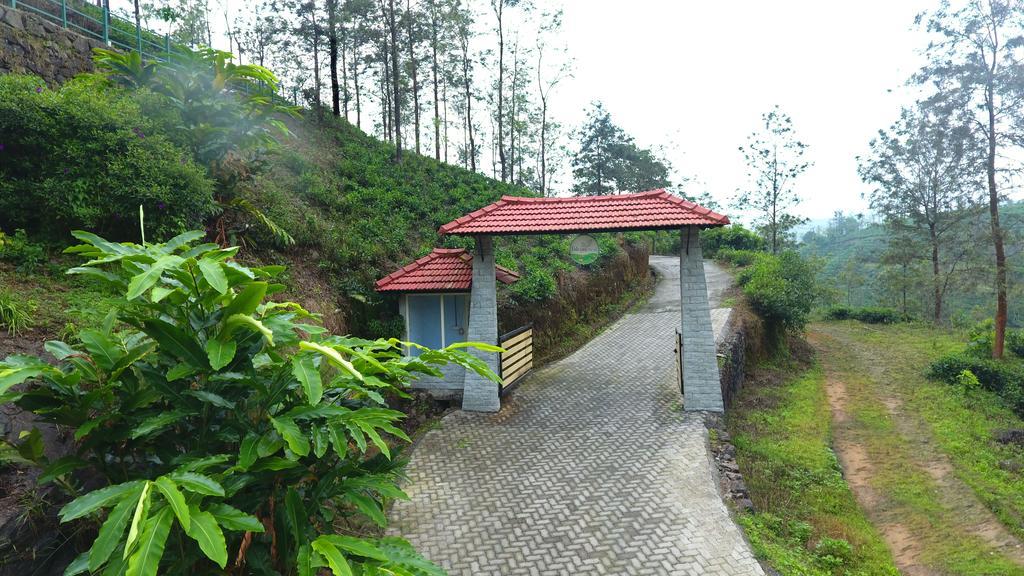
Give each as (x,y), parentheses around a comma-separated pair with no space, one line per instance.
(934,463)
(807,520)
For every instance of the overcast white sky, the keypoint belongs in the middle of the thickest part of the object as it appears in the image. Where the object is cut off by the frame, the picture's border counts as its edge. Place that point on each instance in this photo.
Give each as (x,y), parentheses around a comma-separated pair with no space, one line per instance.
(699,73)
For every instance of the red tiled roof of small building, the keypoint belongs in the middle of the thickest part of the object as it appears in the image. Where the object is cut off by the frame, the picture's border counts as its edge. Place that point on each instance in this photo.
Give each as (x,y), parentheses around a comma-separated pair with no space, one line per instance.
(655,209)
(443,270)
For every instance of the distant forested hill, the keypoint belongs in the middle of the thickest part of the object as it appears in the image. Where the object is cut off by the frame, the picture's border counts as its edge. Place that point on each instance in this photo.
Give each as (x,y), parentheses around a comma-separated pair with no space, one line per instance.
(867,264)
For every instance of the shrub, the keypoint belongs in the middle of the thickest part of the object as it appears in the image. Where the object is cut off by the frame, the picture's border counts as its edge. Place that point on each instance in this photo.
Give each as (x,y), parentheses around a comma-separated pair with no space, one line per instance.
(1004,378)
(868,315)
(734,237)
(736,257)
(219,423)
(15,314)
(782,290)
(26,256)
(84,156)
(1015,342)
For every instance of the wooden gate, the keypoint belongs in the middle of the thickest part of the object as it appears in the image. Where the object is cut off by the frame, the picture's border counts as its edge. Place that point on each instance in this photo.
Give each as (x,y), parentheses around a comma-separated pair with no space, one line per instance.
(517,359)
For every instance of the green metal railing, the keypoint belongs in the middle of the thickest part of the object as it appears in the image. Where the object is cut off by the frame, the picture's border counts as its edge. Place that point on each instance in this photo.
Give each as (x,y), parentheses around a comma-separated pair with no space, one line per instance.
(100,23)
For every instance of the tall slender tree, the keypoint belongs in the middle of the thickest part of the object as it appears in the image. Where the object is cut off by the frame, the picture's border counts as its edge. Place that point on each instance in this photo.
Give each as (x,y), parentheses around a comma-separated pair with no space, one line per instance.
(775,158)
(926,170)
(975,67)
(548,77)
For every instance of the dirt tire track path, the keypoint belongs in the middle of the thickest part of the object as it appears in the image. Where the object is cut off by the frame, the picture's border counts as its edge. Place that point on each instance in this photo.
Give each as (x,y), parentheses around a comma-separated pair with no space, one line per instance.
(866,467)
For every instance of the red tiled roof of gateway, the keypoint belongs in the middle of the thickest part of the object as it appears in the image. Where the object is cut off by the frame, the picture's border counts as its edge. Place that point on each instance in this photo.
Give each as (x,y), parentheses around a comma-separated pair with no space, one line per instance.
(443,270)
(655,209)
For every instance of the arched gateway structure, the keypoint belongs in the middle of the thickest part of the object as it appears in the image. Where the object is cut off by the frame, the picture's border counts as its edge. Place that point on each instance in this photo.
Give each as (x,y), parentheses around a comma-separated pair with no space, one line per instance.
(653,210)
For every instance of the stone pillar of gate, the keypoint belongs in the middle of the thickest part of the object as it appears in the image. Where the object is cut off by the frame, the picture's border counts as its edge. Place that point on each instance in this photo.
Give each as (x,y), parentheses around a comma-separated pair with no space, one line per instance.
(701,383)
(478,393)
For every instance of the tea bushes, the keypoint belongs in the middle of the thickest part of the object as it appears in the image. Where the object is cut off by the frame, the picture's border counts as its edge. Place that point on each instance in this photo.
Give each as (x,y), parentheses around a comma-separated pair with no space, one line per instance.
(84,156)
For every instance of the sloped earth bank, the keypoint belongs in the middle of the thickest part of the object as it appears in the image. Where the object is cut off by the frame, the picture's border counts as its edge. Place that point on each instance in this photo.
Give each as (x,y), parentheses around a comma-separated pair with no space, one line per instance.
(932,521)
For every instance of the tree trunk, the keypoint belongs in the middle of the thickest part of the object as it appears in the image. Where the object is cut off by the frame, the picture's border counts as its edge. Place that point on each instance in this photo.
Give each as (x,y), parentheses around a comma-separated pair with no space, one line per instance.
(936,280)
(997,230)
(444,95)
(413,75)
(316,59)
(467,84)
(543,145)
(332,42)
(499,9)
(395,81)
(433,65)
(344,73)
(355,85)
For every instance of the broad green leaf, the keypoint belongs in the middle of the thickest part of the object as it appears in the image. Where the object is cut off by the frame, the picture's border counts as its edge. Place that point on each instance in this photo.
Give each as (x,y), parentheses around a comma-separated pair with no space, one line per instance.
(368,506)
(175,341)
(58,349)
(401,553)
(96,273)
(370,431)
(247,453)
(214,274)
(220,352)
(292,434)
(175,498)
(180,371)
(478,345)
(134,355)
(157,422)
(334,558)
(211,398)
(146,559)
(17,369)
(159,293)
(333,356)
(295,512)
(104,350)
(80,565)
(142,282)
(93,501)
(304,369)
(89,426)
(338,439)
(303,561)
(110,533)
(234,519)
(269,444)
(321,440)
(246,301)
(237,321)
(59,468)
(207,533)
(197,483)
(273,463)
(138,519)
(357,546)
(183,239)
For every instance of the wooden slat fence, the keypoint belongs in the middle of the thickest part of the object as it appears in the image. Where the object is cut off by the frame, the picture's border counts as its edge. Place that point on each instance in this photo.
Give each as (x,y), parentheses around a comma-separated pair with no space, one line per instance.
(517,359)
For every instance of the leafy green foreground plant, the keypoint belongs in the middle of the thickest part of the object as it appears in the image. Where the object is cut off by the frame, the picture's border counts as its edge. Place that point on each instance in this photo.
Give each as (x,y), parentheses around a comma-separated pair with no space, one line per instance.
(217,430)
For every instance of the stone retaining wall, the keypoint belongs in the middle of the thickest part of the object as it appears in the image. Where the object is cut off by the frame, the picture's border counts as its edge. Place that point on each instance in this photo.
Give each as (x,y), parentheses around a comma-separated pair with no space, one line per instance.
(33,45)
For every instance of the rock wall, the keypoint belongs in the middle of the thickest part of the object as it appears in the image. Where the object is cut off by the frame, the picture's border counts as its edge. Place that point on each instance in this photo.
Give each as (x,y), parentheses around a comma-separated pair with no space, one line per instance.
(33,45)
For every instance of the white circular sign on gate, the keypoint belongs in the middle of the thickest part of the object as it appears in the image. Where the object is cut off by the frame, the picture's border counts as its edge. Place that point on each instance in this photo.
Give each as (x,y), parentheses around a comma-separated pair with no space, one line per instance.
(584,249)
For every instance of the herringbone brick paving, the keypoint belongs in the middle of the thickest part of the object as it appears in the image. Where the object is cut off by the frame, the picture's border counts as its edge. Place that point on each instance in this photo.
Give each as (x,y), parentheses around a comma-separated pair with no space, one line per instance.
(590,467)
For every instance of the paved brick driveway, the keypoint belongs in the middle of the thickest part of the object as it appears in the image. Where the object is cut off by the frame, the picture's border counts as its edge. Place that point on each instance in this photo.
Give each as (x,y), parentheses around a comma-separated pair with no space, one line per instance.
(590,468)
